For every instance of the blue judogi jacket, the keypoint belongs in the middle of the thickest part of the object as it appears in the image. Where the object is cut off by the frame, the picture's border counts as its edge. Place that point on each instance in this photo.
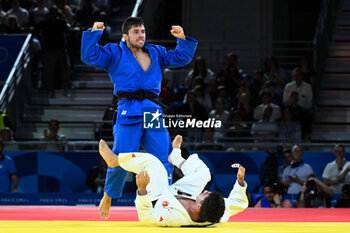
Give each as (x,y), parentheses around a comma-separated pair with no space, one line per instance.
(125,71)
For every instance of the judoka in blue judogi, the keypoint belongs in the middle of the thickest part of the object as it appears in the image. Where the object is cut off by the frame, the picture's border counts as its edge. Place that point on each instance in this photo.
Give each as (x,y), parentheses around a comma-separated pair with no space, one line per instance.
(135,68)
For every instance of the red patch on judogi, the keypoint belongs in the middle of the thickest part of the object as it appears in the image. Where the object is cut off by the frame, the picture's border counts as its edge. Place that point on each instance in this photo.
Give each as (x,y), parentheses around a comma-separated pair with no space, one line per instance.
(133,155)
(161,219)
(165,203)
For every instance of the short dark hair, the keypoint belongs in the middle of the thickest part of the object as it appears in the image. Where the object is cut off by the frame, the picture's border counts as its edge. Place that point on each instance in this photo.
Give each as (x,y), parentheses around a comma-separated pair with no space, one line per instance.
(287,151)
(130,22)
(340,145)
(54,121)
(213,208)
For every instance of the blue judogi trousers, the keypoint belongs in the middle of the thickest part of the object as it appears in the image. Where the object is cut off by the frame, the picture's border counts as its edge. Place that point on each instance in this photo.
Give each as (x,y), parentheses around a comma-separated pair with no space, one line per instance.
(128,138)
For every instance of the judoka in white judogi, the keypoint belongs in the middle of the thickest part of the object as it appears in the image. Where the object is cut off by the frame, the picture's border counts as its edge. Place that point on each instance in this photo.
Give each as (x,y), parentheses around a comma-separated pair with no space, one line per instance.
(161,206)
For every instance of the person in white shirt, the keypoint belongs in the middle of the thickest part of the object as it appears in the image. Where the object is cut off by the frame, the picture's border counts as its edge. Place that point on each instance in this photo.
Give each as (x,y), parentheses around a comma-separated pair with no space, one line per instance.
(303,88)
(336,173)
(295,175)
(183,203)
(265,96)
(21,13)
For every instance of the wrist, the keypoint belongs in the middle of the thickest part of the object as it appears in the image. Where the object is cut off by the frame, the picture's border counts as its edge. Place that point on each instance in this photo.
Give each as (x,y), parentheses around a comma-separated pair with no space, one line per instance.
(141,191)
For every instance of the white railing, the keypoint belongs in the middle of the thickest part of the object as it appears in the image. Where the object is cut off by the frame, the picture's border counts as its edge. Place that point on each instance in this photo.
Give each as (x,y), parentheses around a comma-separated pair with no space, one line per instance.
(17,87)
(81,146)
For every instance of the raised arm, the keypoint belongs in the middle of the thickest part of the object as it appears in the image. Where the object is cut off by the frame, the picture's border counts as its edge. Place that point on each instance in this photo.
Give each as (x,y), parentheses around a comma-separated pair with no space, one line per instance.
(237,201)
(91,52)
(182,54)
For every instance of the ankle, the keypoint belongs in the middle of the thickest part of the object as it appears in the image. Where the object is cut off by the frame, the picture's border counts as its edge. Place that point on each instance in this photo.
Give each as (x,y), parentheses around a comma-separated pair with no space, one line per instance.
(107,198)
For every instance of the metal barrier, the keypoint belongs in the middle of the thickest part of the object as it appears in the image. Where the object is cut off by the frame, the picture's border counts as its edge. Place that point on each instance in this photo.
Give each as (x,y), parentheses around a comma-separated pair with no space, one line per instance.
(13,101)
(80,146)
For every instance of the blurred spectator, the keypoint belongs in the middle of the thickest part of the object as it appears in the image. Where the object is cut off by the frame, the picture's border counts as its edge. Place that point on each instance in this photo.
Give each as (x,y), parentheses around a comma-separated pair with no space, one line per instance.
(203,97)
(344,200)
(38,13)
(264,130)
(287,159)
(315,194)
(222,93)
(219,113)
(275,97)
(51,135)
(239,131)
(193,107)
(303,116)
(7,138)
(293,105)
(308,73)
(21,13)
(66,11)
(273,72)
(6,122)
(86,14)
(12,26)
(258,80)
(53,32)
(266,101)
(8,172)
(273,199)
(246,87)
(289,130)
(6,134)
(200,71)
(244,107)
(96,177)
(297,172)
(208,141)
(336,173)
(230,76)
(304,90)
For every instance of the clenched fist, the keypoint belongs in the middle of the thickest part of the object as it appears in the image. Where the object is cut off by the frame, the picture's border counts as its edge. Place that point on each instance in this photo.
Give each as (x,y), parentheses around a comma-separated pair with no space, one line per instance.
(142,180)
(178,32)
(98,26)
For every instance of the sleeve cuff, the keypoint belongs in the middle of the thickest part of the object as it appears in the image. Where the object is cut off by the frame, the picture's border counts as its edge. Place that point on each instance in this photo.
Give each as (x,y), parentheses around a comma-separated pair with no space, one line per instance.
(188,40)
(237,186)
(142,198)
(95,34)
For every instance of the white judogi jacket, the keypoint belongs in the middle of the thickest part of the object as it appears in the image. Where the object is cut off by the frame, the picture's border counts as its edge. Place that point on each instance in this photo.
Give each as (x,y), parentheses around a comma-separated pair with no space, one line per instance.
(168,211)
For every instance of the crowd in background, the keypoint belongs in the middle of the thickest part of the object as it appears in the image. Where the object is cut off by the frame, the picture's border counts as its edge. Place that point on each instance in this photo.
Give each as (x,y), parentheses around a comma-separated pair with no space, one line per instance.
(268,105)
(294,184)
(265,106)
(56,26)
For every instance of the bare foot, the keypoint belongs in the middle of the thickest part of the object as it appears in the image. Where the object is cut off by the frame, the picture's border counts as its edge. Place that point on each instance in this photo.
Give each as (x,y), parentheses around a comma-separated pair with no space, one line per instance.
(108,155)
(177,141)
(105,205)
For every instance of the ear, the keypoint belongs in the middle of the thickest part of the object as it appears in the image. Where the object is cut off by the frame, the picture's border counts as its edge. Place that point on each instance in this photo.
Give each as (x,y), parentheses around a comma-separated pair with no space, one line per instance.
(125,37)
